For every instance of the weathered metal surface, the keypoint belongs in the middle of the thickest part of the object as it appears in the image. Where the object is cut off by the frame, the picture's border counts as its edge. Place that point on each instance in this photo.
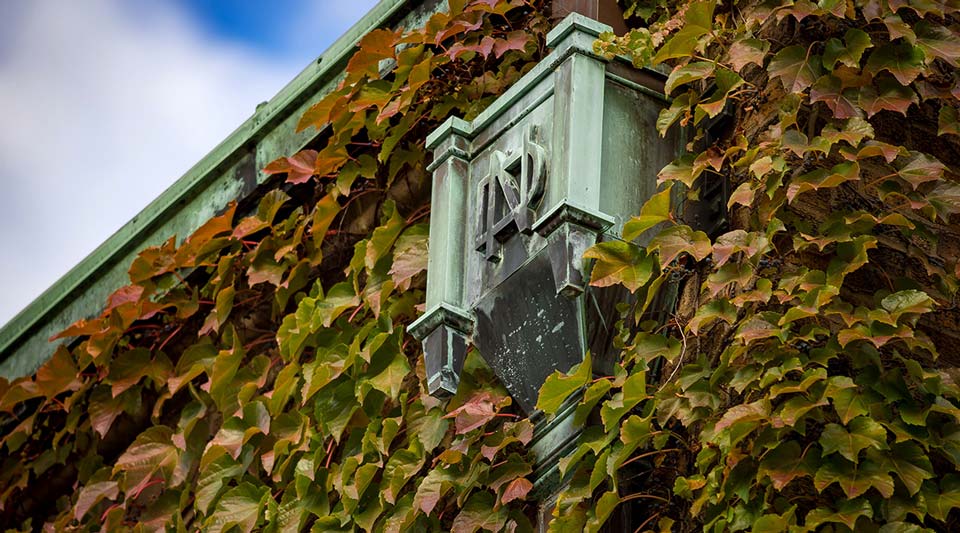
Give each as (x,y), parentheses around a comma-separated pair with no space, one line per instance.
(561,160)
(525,332)
(229,172)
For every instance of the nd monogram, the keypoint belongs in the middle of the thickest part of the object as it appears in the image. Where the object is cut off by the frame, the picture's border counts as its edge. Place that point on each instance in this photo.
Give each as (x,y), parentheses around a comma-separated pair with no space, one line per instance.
(506,201)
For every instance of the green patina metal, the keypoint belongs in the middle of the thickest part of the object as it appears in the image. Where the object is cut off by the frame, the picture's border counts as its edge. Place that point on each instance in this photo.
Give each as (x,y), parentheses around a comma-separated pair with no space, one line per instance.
(562,160)
(231,171)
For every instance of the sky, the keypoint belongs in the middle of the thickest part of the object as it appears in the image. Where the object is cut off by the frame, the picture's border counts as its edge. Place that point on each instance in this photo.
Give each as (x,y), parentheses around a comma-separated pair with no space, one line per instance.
(105,103)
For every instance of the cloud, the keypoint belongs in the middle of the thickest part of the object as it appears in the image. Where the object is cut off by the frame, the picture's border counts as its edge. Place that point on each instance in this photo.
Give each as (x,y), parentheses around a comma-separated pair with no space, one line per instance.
(106,103)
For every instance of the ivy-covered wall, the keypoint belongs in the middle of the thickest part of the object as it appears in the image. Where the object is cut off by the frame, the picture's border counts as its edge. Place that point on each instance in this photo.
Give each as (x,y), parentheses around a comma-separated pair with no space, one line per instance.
(259,377)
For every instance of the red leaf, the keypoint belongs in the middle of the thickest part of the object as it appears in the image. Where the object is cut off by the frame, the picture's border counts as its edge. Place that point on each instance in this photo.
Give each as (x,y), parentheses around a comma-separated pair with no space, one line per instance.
(828,90)
(516,490)
(299,168)
(515,40)
(478,410)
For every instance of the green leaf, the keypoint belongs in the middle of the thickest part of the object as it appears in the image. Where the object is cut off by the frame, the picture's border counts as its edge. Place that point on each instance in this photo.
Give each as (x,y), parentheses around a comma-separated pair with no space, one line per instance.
(697,70)
(921,168)
(857,42)
(903,60)
(854,479)
(698,22)
(796,68)
(682,170)
(382,239)
(400,468)
(911,465)
(214,475)
(908,301)
(847,513)
(941,502)
(334,408)
(678,107)
(717,308)
(241,507)
(391,378)
(678,239)
(559,386)
(338,299)
(947,121)
(823,179)
(621,263)
(864,432)
(654,211)
(726,81)
(847,403)
(787,462)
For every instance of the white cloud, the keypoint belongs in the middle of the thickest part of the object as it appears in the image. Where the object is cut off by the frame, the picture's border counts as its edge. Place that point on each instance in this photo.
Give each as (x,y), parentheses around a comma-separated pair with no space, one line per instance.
(104,106)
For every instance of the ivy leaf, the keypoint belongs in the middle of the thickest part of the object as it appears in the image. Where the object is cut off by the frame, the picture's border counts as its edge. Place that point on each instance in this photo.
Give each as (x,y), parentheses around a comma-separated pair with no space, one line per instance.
(390,380)
(338,299)
(921,168)
(682,170)
(384,236)
(91,494)
(717,308)
(559,386)
(241,507)
(847,513)
(823,179)
(697,70)
(334,408)
(848,404)
(908,301)
(516,490)
(410,255)
(864,432)
(941,502)
(854,478)
(889,95)
(909,462)
(675,240)
(947,120)
(698,22)
(298,168)
(746,51)
(217,468)
(619,262)
(57,375)
(437,483)
(829,90)
(654,211)
(787,462)
(744,413)
(479,513)
(678,107)
(726,81)
(937,42)
(857,41)
(903,60)
(796,68)
(152,453)
(475,412)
